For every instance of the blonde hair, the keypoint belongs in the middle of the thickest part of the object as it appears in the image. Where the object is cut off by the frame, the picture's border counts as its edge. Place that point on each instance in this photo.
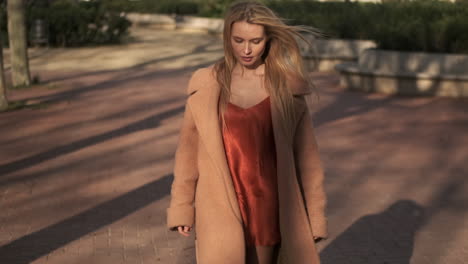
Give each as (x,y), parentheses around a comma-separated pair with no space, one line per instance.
(282,57)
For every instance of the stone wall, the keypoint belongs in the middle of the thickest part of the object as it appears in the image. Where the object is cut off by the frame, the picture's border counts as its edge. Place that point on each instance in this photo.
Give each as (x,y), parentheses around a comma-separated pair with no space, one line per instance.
(324,54)
(410,73)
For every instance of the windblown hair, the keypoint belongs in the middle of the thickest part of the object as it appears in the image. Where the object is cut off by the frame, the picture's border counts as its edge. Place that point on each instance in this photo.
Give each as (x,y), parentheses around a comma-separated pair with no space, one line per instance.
(282,58)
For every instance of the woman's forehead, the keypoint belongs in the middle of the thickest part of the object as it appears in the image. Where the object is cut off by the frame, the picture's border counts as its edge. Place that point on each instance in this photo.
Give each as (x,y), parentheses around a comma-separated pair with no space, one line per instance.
(245,30)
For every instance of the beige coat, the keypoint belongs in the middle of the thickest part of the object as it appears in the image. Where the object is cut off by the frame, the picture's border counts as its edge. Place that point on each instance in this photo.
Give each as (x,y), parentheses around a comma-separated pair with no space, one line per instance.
(203,195)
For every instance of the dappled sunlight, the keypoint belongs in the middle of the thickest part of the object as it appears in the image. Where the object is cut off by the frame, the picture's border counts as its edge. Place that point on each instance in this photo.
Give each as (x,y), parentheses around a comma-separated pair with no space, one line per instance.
(164,50)
(95,166)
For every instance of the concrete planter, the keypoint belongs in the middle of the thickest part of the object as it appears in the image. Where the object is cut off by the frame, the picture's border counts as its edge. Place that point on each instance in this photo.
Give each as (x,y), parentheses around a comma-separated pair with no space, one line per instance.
(186,23)
(326,53)
(409,73)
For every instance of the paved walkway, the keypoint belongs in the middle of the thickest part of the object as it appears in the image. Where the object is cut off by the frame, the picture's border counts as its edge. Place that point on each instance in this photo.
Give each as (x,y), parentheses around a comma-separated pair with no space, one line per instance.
(86,179)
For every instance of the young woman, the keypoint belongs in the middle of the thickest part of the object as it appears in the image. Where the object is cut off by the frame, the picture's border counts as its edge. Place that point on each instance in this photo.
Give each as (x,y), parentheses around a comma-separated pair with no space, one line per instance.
(247,173)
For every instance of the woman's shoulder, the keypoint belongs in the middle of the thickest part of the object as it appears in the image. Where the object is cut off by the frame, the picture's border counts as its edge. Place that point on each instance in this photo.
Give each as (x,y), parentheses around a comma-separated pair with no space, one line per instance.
(298,86)
(200,78)
(302,91)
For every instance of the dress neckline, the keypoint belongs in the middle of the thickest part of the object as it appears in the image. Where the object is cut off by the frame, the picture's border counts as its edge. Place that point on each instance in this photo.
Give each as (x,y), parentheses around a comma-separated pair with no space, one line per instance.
(253,106)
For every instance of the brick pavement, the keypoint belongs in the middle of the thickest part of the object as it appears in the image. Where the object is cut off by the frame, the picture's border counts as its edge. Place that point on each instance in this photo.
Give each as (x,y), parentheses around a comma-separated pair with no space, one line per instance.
(86,180)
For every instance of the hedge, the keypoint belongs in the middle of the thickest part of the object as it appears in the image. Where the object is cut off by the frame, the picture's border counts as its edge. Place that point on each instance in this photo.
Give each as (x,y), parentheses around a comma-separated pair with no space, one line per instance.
(419,25)
(424,25)
(72,23)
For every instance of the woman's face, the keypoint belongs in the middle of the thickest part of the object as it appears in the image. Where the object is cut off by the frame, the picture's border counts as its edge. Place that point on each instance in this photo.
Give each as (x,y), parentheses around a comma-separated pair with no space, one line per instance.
(248,43)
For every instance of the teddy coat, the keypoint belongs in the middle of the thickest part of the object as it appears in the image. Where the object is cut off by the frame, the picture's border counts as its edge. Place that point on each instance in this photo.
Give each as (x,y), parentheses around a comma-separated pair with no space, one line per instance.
(203,196)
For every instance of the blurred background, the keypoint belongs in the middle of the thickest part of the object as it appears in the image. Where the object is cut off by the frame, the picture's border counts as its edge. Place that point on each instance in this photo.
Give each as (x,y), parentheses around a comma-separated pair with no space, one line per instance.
(425,25)
(92,95)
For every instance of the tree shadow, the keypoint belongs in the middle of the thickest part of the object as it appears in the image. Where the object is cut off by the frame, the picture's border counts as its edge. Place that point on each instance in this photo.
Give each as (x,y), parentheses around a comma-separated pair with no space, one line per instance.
(146,123)
(348,104)
(120,78)
(386,237)
(127,112)
(37,244)
(141,66)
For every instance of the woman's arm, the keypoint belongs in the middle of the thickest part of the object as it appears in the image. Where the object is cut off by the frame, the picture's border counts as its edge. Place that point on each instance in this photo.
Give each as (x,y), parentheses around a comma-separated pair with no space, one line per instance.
(310,173)
(181,211)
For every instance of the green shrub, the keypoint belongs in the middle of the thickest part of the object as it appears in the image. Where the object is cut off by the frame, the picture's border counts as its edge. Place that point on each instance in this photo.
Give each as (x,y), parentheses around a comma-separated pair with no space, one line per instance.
(451,34)
(213,8)
(70,23)
(179,7)
(420,25)
(205,8)
(73,24)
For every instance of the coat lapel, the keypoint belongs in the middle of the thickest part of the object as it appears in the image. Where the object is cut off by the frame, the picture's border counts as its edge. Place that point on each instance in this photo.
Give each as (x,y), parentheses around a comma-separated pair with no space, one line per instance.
(204,105)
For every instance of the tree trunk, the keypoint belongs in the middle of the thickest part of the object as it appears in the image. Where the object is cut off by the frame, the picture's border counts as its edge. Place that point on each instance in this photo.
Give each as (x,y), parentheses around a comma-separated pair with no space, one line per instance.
(18,43)
(3,98)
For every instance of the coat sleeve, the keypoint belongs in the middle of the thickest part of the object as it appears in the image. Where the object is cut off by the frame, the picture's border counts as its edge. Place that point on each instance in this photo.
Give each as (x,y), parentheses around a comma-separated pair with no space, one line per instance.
(310,172)
(181,211)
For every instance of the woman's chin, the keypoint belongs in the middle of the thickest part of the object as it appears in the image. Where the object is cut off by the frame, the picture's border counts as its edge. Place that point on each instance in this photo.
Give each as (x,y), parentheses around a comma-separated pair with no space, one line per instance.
(247,64)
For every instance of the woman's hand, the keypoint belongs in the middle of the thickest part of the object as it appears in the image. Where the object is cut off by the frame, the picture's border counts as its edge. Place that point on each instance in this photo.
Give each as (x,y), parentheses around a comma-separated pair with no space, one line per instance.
(184,230)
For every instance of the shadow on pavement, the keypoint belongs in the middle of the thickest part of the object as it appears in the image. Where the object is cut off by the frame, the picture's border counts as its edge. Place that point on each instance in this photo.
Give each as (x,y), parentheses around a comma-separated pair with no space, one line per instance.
(386,237)
(35,245)
(147,123)
(141,66)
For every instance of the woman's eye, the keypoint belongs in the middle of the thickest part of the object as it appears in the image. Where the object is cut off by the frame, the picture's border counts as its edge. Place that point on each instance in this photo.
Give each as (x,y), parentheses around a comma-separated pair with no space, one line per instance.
(238,41)
(257,42)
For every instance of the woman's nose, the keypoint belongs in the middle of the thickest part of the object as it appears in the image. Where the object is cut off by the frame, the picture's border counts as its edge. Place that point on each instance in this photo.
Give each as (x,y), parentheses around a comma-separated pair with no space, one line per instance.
(247,49)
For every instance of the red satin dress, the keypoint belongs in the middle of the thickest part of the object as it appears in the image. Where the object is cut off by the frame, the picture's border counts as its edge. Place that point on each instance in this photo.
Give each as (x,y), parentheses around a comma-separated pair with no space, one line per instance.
(250,150)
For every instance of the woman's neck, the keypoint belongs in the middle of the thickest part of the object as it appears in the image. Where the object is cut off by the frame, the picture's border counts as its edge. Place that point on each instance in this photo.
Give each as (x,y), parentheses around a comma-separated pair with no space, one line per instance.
(244,71)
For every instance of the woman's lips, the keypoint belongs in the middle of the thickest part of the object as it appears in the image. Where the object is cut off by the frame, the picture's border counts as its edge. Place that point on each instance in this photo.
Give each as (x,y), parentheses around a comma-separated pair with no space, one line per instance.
(247,59)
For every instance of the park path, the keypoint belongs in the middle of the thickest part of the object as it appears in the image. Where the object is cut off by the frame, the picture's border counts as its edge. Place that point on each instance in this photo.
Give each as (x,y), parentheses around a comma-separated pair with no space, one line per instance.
(86,179)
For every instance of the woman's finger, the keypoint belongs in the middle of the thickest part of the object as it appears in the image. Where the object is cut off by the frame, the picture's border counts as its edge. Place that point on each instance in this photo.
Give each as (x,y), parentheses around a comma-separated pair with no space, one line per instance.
(182,230)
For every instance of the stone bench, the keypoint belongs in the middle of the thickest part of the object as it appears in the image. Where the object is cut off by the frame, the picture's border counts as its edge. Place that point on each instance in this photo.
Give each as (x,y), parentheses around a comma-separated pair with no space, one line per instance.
(326,53)
(409,73)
